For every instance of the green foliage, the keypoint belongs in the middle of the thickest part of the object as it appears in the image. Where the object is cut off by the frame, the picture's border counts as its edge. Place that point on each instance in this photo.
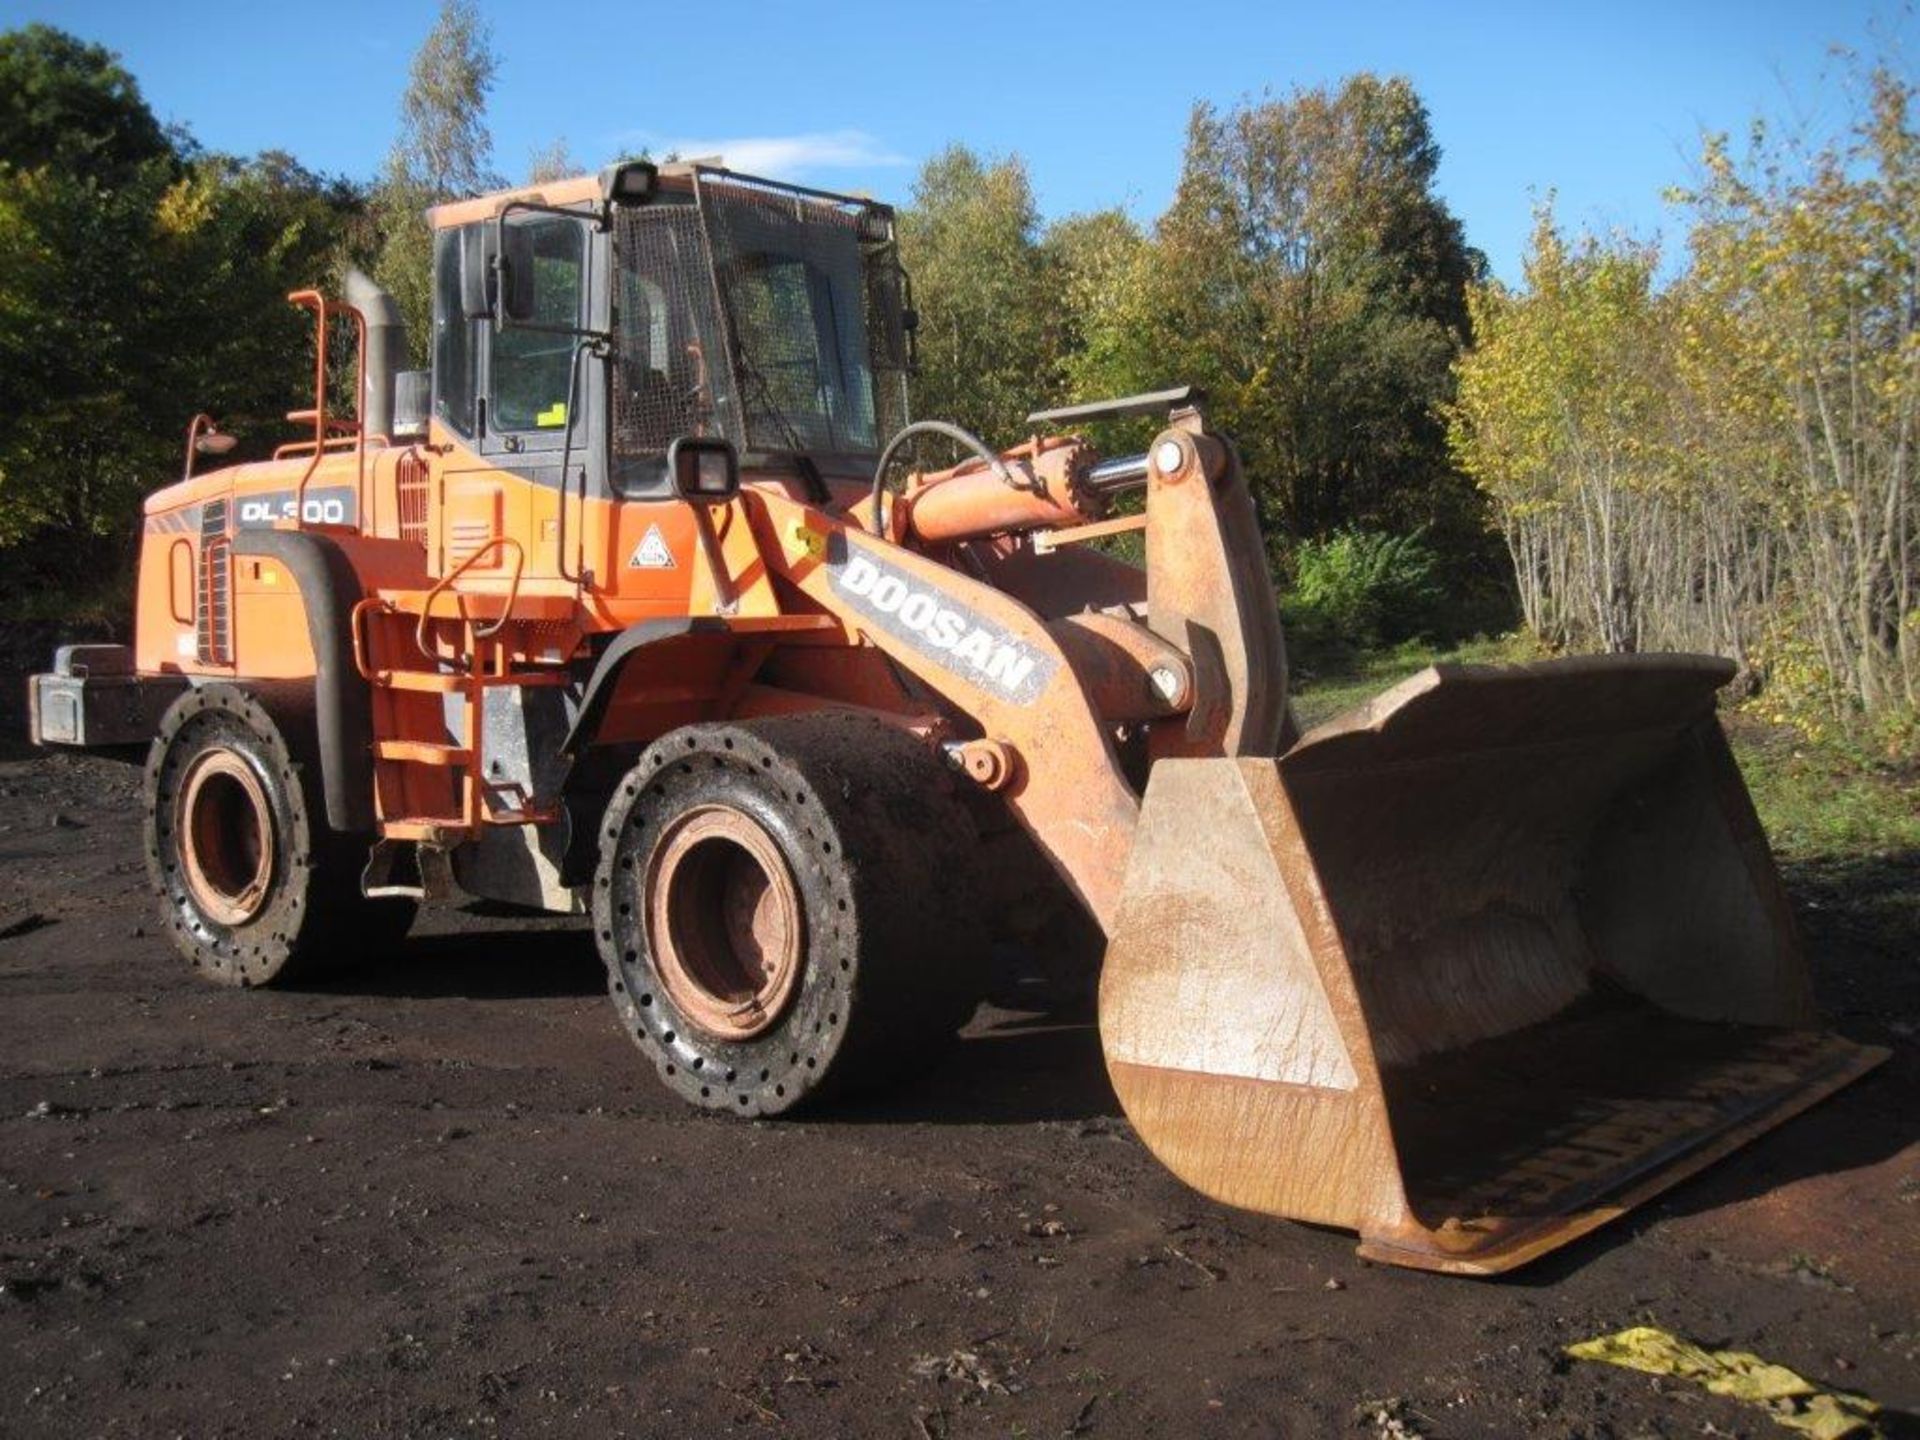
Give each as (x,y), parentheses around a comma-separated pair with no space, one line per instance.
(1309,278)
(1827,798)
(131,296)
(970,240)
(443,152)
(1361,589)
(1729,463)
(70,105)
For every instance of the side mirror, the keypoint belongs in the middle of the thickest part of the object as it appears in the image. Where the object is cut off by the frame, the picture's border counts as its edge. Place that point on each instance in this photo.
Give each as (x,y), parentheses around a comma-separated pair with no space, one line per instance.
(476,273)
(516,268)
(704,468)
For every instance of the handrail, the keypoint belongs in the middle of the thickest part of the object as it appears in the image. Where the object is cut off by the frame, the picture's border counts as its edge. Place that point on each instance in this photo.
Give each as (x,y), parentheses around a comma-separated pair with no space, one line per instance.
(362,654)
(173,597)
(513,592)
(578,575)
(323,310)
(334,445)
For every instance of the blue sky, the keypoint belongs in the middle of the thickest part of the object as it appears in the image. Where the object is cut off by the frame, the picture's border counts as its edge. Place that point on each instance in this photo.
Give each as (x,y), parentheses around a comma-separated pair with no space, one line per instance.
(1602,103)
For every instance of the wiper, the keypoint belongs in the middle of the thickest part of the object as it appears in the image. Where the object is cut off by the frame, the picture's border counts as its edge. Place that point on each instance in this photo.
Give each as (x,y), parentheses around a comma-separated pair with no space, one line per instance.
(752,373)
(808,470)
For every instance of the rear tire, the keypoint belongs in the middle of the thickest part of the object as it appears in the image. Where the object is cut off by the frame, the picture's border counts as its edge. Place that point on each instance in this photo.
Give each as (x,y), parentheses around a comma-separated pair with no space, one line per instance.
(253,886)
(785,910)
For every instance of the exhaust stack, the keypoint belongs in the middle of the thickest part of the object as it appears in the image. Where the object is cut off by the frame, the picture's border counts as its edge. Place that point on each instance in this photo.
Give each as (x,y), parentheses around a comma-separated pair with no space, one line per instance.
(386,351)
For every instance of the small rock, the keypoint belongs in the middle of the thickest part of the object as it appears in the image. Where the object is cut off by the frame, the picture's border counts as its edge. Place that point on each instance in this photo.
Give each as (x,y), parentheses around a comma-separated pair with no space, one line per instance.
(1335,1284)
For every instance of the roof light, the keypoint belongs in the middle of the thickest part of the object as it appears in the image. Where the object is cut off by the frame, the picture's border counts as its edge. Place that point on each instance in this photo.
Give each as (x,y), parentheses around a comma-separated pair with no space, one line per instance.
(630,182)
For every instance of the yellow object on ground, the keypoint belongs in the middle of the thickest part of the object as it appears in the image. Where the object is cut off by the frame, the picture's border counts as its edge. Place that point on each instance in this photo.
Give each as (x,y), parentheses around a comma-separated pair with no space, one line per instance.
(1791,1399)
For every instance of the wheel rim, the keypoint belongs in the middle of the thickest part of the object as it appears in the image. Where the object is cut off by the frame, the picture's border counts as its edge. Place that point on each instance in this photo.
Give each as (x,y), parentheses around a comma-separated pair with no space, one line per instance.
(226,837)
(724,922)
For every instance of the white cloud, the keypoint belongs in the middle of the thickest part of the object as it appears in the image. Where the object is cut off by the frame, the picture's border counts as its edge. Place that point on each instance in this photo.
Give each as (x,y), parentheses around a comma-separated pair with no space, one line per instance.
(776,156)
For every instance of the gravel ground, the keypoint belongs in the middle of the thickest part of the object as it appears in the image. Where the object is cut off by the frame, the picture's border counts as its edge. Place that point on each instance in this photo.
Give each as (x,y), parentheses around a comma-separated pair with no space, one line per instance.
(444,1196)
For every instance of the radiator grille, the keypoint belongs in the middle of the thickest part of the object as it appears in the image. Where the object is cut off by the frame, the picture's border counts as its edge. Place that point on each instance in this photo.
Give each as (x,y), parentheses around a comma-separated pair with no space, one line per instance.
(213,624)
(410,490)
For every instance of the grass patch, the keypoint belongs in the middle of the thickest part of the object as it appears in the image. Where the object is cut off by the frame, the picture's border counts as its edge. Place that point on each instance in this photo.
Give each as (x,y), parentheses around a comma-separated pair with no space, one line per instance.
(1323,689)
(1824,801)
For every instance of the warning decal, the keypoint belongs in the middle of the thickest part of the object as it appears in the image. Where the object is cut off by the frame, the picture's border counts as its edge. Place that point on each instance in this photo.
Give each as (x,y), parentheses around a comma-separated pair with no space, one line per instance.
(652,552)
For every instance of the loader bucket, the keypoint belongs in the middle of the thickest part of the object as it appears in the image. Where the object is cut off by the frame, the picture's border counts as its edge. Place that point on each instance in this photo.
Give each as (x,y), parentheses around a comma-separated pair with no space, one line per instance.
(1471,969)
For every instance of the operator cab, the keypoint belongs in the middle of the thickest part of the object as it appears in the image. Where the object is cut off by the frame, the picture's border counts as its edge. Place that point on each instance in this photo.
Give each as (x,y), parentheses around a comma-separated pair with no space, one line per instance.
(587,326)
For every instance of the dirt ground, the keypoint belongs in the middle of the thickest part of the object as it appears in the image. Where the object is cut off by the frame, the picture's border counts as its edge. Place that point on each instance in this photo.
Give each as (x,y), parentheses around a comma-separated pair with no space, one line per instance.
(444,1196)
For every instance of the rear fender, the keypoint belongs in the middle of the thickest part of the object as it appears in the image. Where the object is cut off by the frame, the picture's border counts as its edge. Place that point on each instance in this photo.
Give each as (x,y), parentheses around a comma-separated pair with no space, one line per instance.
(342,700)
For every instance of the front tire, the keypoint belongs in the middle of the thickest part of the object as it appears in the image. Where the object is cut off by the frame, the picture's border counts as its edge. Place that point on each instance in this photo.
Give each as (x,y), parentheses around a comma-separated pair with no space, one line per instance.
(253,886)
(785,909)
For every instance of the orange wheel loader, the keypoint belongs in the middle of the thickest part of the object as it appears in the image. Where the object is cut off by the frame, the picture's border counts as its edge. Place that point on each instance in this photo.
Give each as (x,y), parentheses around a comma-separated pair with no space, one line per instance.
(617,611)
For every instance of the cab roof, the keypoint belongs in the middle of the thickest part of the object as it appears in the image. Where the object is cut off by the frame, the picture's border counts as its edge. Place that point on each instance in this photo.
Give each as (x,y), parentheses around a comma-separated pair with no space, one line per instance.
(584,189)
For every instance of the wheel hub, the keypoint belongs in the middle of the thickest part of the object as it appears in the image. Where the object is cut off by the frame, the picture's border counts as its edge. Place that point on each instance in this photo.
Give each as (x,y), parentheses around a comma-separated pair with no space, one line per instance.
(724,922)
(226,837)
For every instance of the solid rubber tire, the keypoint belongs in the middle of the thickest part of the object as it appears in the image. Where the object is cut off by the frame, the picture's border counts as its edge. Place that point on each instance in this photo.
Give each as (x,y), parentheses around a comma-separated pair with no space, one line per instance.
(881,850)
(313,918)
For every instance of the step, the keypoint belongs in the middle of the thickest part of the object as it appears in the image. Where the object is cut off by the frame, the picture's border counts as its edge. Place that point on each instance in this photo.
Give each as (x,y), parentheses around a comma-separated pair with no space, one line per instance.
(442,682)
(428,829)
(535,815)
(422,752)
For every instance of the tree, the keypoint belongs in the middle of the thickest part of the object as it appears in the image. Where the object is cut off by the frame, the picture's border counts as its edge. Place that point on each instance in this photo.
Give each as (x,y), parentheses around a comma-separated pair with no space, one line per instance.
(1727,464)
(552,162)
(1804,336)
(71,105)
(443,152)
(1311,280)
(84,166)
(137,285)
(1089,260)
(970,240)
(1566,416)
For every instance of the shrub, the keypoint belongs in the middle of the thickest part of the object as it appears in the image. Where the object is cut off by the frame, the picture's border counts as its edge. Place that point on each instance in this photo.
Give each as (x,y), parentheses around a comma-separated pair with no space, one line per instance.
(1361,589)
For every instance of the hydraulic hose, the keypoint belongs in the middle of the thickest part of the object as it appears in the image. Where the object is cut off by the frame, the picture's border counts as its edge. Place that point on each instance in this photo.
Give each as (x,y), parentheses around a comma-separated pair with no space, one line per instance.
(935,427)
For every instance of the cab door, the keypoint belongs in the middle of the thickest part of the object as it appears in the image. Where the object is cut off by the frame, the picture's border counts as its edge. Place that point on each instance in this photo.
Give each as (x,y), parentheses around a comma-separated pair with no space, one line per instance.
(505,501)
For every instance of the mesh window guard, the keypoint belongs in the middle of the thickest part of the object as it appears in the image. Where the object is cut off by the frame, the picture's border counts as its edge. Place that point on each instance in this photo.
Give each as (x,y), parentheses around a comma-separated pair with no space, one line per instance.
(760,313)
(670,370)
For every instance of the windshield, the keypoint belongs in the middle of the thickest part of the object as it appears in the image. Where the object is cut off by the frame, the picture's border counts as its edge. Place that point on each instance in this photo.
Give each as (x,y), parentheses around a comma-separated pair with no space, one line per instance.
(790,277)
(670,371)
(765,315)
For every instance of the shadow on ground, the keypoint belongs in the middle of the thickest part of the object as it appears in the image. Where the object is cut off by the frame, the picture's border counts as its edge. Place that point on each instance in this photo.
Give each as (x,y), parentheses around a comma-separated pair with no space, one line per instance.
(1033,1052)
(500,963)
(1039,1061)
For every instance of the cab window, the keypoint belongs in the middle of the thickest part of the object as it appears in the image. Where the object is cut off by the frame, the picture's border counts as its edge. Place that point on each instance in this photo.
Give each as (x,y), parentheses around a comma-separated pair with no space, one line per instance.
(530,364)
(453,385)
